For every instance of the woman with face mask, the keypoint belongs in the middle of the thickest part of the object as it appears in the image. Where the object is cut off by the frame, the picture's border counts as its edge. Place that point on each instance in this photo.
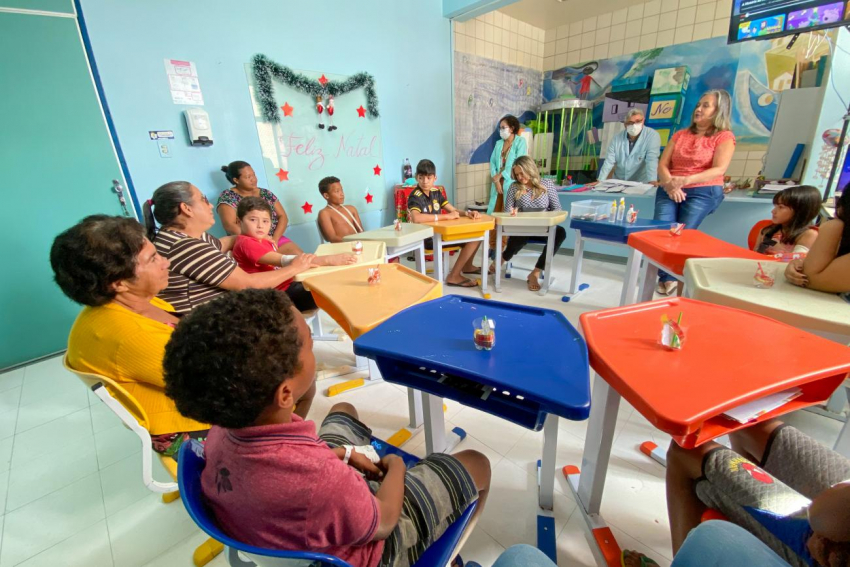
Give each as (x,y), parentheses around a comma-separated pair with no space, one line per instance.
(509,146)
(632,155)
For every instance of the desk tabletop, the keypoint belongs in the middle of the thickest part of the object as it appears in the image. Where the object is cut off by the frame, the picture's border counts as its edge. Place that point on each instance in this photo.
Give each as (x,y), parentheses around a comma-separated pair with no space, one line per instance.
(538,218)
(538,355)
(729,281)
(373,253)
(616,231)
(462,226)
(672,251)
(729,357)
(408,234)
(358,307)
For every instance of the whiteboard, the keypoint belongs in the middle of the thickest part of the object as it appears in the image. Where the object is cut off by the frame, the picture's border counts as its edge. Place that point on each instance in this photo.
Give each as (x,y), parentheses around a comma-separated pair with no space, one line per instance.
(795,123)
(297,154)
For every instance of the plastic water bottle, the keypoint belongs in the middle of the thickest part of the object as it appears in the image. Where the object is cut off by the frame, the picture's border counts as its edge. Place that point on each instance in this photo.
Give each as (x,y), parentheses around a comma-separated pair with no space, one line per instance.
(406,170)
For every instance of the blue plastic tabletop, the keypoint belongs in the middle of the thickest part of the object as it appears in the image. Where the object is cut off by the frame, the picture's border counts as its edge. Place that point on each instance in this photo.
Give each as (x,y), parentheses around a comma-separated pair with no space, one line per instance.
(616,231)
(538,365)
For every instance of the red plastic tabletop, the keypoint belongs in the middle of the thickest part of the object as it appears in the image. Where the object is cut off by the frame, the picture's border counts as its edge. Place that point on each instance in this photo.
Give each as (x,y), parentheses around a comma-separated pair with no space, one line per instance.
(729,357)
(671,251)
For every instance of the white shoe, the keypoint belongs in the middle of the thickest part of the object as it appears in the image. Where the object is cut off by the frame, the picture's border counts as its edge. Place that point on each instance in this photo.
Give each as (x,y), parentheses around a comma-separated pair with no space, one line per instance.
(666,288)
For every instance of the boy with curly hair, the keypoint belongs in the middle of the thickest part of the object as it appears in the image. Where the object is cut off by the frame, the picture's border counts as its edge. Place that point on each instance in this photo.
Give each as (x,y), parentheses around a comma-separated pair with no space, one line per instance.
(270,480)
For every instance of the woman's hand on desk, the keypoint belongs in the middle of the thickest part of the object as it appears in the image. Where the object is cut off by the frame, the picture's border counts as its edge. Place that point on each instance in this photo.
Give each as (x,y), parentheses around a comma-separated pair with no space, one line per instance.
(794,273)
(473,215)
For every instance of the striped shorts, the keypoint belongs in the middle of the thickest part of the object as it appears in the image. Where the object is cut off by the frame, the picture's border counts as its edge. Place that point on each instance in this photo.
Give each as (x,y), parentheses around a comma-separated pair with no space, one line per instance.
(437,490)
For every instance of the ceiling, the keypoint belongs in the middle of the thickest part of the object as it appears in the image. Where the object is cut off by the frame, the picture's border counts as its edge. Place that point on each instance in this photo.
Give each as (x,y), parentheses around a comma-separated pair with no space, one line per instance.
(548,14)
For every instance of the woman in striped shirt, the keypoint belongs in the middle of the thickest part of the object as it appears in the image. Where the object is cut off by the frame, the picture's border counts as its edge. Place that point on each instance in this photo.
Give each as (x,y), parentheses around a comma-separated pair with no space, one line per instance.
(530,193)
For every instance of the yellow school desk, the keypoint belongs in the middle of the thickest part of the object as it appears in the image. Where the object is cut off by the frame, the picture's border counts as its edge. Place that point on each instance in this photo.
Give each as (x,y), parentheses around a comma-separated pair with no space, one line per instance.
(411,238)
(373,254)
(359,307)
(540,224)
(729,281)
(459,231)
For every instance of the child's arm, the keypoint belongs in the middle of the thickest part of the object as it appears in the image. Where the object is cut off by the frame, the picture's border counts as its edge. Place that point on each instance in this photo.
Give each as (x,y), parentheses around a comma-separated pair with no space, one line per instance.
(390,496)
(416,216)
(326,225)
(292,265)
(453,211)
(334,259)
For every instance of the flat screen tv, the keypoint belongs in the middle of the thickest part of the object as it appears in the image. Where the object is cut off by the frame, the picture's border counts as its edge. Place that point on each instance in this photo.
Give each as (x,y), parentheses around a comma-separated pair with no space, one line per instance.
(768,19)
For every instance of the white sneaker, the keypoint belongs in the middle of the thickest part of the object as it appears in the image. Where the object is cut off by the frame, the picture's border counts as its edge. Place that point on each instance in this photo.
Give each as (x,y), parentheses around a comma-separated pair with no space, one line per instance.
(666,288)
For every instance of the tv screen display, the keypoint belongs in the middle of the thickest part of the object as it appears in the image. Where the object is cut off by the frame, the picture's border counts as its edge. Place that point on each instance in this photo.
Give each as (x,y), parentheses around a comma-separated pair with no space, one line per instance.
(767,19)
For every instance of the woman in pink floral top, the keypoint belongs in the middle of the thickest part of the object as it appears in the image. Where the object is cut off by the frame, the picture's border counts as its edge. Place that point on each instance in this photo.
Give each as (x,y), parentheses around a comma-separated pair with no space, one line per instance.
(691,169)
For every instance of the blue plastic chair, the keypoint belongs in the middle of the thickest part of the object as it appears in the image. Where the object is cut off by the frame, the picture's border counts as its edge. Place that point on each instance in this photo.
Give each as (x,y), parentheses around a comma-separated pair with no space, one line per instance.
(191,464)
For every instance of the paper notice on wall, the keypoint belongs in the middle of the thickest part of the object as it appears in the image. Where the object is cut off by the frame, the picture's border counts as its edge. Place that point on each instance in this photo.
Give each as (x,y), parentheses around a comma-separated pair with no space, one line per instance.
(183,82)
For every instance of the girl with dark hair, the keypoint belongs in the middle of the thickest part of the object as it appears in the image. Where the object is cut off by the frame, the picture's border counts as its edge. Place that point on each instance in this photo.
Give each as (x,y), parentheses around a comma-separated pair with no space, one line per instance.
(244,181)
(791,232)
(827,266)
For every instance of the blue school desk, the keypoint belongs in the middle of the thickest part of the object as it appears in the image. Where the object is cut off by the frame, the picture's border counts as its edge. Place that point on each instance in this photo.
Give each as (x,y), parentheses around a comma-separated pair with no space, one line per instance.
(615,234)
(537,371)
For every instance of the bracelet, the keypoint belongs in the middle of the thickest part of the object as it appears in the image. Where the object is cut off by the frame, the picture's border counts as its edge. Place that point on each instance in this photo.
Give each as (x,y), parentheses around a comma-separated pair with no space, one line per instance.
(348,450)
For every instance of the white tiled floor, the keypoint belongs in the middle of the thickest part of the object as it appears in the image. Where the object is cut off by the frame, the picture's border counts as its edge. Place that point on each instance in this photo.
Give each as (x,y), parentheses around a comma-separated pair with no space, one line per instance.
(71,491)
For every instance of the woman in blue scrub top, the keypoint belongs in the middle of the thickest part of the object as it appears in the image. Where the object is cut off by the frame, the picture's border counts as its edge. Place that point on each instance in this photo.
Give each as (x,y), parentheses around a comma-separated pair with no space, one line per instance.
(509,147)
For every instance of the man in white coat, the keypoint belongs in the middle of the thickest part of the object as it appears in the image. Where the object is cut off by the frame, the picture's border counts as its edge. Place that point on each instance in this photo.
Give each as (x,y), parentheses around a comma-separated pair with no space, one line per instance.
(633,153)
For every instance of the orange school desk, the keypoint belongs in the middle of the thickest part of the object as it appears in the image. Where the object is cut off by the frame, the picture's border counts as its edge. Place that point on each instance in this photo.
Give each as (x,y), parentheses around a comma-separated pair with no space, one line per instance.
(359,307)
(664,251)
(458,231)
(729,357)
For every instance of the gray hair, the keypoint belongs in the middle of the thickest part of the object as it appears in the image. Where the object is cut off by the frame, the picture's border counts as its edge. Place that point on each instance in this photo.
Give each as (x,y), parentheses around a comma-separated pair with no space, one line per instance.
(723,116)
(164,206)
(634,111)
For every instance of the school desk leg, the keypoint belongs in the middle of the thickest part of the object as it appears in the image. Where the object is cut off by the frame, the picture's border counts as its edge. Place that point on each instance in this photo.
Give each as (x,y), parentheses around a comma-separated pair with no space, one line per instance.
(497,277)
(548,275)
(627,297)
(414,405)
(842,444)
(546,489)
(648,277)
(437,252)
(485,259)
(597,445)
(436,438)
(577,258)
(419,255)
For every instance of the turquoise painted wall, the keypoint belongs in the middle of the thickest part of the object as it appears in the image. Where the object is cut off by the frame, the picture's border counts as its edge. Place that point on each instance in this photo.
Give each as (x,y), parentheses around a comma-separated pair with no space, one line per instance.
(63,6)
(463,10)
(406,46)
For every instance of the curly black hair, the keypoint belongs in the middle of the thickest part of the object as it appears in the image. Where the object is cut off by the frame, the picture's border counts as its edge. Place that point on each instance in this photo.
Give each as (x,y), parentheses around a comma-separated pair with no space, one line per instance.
(227,357)
(94,254)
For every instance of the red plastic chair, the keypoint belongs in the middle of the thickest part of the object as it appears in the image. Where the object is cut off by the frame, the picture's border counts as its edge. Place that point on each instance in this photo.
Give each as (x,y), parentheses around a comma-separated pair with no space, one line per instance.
(754,232)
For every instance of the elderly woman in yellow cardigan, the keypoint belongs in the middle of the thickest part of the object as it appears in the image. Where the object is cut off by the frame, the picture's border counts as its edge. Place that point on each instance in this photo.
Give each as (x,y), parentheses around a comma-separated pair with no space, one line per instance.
(109,266)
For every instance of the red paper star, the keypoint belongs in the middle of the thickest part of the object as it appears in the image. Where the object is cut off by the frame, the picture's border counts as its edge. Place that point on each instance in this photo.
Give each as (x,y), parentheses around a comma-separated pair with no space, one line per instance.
(282,175)
(361,112)
(287,110)
(323,80)
(369,197)
(377,169)
(308,208)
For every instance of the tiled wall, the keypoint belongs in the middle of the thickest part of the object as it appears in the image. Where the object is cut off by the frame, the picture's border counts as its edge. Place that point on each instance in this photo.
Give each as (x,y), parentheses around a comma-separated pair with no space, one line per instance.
(642,26)
(500,37)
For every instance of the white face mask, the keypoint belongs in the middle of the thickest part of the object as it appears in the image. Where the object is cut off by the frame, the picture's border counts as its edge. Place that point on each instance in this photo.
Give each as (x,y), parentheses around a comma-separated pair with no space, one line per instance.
(504,133)
(634,129)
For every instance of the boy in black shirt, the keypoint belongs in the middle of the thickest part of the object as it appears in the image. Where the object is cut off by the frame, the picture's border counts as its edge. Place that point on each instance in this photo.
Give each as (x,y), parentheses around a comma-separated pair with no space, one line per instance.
(425,204)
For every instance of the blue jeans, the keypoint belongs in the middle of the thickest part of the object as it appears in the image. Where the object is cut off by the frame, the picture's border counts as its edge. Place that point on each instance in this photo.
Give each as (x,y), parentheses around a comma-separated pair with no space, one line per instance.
(699,203)
(717,544)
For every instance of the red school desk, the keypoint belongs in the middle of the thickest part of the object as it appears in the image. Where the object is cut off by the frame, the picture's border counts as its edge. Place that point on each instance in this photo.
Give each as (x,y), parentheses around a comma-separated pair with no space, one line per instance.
(669,253)
(729,357)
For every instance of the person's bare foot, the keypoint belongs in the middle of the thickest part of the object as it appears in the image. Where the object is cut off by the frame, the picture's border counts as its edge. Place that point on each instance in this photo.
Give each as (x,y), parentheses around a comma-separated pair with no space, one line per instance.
(533,282)
(460,282)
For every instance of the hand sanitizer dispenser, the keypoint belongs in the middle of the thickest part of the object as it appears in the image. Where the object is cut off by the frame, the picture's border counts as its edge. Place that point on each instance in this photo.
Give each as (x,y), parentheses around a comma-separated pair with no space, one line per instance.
(198,123)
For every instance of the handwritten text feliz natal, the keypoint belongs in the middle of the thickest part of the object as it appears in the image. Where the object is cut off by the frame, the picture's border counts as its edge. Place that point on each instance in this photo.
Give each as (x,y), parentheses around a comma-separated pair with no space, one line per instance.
(310,147)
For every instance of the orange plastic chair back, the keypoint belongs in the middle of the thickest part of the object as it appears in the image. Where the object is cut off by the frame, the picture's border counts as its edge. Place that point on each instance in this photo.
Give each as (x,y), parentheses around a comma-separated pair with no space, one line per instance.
(754,232)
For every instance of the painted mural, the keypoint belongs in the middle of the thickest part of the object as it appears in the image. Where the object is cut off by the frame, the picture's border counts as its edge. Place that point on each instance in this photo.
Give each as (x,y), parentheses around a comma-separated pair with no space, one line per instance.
(753,73)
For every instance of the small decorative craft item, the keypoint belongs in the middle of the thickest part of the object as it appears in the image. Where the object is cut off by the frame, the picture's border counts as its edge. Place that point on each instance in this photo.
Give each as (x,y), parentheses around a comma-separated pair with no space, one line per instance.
(677,229)
(672,334)
(513,211)
(762,279)
(631,215)
(397,225)
(357,247)
(374,276)
(484,334)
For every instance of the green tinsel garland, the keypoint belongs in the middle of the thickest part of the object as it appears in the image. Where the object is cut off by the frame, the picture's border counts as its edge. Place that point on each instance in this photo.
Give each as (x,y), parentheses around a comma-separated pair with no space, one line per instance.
(265,70)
